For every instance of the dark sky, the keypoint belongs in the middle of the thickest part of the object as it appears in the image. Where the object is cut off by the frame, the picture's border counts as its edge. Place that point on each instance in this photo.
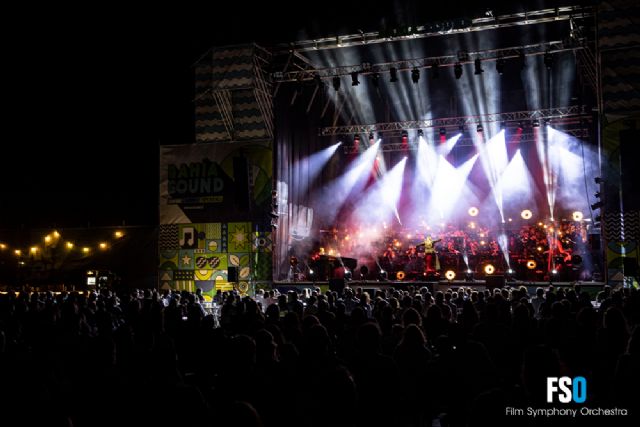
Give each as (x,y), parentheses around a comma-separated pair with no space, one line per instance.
(90,94)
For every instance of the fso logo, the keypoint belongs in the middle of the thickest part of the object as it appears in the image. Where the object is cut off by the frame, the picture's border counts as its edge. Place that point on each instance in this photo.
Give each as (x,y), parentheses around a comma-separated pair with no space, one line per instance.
(567,389)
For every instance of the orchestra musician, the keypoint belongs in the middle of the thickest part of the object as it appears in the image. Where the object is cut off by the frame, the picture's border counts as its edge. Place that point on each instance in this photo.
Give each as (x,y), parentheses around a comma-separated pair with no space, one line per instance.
(412,253)
(389,253)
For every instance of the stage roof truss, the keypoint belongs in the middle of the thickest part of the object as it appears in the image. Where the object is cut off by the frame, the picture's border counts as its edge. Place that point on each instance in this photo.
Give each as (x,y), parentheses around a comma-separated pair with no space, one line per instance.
(441,28)
(309,73)
(574,111)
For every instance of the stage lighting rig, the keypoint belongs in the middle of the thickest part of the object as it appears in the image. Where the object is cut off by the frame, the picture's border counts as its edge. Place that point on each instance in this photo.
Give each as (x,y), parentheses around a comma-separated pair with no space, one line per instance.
(479,128)
(336,83)
(443,132)
(457,70)
(500,63)
(420,132)
(393,72)
(415,75)
(354,79)
(477,64)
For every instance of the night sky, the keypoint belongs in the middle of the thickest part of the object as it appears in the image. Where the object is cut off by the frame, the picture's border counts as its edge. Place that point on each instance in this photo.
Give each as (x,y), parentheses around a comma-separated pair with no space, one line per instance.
(89,95)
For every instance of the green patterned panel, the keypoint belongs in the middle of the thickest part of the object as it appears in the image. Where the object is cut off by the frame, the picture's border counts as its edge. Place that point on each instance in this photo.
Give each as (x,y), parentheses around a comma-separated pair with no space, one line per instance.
(183,275)
(262,242)
(186,259)
(262,266)
(213,231)
(239,235)
(213,245)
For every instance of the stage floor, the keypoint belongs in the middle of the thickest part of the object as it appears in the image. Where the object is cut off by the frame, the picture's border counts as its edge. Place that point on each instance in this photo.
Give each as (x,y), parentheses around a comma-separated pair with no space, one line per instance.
(438,285)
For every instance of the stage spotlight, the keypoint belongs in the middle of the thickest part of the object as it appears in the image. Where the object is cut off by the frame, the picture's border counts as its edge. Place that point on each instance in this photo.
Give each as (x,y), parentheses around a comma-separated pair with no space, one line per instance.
(500,63)
(461,128)
(479,128)
(364,272)
(597,205)
(347,274)
(393,71)
(435,71)
(450,275)
(371,137)
(420,132)
(400,275)
(336,83)
(382,275)
(520,126)
(526,214)
(375,80)
(415,75)
(473,211)
(443,132)
(577,216)
(356,139)
(535,123)
(404,134)
(554,271)
(489,269)
(354,79)
(598,180)
(548,60)
(468,275)
(477,64)
(510,271)
(531,264)
(457,70)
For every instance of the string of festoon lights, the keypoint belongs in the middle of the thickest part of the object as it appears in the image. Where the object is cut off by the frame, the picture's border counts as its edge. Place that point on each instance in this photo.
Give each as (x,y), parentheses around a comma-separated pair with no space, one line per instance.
(54,239)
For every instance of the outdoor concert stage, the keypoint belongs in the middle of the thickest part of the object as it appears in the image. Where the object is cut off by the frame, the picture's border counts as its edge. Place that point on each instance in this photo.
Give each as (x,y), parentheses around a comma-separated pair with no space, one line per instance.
(591,287)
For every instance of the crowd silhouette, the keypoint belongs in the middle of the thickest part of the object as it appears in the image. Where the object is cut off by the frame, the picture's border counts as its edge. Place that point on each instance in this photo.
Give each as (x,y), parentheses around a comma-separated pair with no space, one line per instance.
(400,357)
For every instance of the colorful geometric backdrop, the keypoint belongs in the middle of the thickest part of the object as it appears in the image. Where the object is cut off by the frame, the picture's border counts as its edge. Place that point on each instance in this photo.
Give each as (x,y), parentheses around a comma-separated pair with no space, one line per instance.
(199,255)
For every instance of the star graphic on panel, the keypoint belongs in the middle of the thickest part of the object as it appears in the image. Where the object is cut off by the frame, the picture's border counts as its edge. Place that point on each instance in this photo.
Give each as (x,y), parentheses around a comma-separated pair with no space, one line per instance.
(186,260)
(239,237)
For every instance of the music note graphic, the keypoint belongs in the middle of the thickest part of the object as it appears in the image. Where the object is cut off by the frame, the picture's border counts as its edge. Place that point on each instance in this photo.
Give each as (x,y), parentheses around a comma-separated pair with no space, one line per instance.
(188,239)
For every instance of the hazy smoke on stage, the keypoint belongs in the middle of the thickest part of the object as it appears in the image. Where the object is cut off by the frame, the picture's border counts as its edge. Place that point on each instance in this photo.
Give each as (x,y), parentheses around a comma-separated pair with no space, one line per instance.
(384,204)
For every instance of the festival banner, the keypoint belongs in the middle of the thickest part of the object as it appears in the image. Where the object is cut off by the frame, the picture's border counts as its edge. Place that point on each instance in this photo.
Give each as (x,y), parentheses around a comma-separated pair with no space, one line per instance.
(202,183)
